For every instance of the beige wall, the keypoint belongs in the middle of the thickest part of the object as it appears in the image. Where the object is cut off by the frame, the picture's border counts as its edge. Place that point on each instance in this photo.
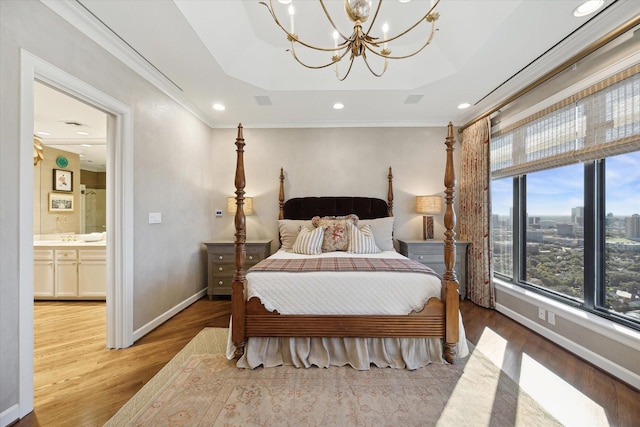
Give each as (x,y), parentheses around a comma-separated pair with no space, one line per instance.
(172,175)
(330,162)
(44,221)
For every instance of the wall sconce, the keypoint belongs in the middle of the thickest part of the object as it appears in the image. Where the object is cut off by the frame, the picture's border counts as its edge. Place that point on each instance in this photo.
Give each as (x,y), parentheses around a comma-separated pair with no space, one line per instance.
(248,205)
(428,205)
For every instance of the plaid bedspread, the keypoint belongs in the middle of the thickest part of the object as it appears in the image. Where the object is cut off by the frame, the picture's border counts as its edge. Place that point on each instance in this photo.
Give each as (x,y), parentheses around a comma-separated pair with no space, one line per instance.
(341,264)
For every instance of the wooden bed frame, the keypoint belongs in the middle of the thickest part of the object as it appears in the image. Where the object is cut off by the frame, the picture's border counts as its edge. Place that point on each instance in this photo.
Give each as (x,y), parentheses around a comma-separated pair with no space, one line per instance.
(439,317)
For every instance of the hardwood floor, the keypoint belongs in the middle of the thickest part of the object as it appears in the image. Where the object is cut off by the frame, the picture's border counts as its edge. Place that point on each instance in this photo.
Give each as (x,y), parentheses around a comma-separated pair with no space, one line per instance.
(78,382)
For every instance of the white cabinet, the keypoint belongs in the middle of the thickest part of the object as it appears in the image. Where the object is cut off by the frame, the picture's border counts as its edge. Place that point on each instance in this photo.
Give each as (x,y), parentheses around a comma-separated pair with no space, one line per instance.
(43,273)
(92,273)
(70,273)
(66,283)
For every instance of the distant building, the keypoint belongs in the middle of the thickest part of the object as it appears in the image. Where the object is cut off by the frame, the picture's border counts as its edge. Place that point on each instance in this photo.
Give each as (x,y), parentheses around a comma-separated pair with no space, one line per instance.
(535,235)
(565,229)
(577,215)
(632,227)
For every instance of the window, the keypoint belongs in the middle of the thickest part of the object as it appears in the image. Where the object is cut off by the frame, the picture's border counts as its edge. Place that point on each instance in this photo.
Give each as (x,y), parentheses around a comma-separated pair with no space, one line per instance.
(622,235)
(502,223)
(554,230)
(565,204)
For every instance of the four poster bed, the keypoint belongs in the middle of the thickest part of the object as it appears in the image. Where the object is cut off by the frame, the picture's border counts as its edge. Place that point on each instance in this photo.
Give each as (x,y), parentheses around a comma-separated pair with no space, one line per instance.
(337,293)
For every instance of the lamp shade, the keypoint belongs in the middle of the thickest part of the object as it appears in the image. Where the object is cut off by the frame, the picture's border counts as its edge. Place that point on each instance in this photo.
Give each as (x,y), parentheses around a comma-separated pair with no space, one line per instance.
(428,204)
(248,205)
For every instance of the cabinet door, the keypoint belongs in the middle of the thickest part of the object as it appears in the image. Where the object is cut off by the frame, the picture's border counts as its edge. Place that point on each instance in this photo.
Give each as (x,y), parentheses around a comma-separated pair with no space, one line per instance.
(66,278)
(92,279)
(43,278)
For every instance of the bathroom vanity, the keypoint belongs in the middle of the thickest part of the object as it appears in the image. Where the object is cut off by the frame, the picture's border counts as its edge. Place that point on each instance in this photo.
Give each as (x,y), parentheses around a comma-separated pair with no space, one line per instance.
(69,270)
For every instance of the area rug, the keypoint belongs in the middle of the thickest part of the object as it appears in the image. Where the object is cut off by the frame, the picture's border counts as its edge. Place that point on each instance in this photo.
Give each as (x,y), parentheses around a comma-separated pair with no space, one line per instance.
(200,387)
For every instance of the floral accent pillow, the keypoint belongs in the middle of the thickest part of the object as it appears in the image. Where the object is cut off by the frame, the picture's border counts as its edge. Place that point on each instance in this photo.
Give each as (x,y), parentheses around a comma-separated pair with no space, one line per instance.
(336,236)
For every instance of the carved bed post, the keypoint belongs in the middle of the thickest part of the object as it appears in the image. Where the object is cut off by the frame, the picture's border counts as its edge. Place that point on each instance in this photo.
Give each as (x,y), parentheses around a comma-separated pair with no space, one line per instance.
(238,335)
(449,281)
(390,192)
(281,195)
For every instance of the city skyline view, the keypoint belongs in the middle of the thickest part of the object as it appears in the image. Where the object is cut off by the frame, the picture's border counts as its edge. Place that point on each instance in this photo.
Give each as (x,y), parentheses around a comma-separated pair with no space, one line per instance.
(561,189)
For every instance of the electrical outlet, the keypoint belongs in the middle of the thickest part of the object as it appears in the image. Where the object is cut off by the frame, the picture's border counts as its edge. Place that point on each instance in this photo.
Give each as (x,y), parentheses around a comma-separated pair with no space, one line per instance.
(551,318)
(541,313)
(218,213)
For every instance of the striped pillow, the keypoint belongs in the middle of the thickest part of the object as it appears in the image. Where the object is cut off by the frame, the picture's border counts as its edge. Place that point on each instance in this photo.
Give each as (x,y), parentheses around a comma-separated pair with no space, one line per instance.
(309,242)
(361,240)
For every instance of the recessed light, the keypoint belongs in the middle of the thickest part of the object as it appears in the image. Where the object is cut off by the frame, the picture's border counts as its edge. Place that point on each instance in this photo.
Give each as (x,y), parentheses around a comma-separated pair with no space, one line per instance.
(464,105)
(43,133)
(219,107)
(86,145)
(338,106)
(81,132)
(284,1)
(587,8)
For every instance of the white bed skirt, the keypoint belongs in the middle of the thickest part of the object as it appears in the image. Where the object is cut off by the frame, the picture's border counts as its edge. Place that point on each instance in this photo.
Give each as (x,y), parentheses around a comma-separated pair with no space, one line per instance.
(359,353)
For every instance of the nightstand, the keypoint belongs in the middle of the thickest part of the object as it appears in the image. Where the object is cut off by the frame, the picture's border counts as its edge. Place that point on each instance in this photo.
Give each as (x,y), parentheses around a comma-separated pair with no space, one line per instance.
(221,262)
(431,253)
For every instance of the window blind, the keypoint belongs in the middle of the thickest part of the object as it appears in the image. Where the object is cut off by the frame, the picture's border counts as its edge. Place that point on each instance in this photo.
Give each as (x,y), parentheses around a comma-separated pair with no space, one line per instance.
(600,121)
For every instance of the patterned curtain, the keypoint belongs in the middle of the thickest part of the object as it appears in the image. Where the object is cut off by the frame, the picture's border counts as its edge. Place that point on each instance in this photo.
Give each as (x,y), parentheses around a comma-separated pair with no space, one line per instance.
(475,212)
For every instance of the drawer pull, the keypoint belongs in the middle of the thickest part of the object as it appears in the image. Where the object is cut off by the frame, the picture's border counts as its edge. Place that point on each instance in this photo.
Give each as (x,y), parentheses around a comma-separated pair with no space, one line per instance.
(220,282)
(220,269)
(220,257)
(250,257)
(421,257)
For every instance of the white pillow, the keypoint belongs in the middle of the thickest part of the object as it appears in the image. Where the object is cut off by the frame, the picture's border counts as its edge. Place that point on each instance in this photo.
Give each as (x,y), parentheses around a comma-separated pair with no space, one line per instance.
(309,241)
(382,229)
(361,241)
(289,229)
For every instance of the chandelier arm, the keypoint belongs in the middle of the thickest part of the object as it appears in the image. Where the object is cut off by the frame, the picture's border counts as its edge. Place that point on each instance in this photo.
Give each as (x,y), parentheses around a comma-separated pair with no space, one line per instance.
(348,70)
(364,56)
(291,36)
(424,18)
(375,15)
(314,67)
(370,49)
(324,8)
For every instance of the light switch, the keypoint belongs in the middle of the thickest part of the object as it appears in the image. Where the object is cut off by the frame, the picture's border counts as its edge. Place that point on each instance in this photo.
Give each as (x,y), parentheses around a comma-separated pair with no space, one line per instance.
(155,217)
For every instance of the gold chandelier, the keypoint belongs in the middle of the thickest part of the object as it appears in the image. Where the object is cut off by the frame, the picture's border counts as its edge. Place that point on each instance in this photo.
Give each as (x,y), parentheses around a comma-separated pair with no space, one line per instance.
(360,41)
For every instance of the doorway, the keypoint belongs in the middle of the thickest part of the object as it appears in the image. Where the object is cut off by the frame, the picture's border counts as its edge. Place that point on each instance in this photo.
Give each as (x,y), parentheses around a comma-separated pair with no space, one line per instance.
(119,304)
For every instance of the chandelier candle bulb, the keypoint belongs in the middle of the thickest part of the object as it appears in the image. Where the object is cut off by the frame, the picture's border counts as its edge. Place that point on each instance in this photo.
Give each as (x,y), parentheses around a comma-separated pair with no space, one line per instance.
(385,34)
(292,11)
(335,39)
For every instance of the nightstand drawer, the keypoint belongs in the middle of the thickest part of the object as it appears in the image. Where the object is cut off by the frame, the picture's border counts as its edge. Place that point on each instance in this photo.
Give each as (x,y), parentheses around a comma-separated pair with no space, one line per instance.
(223,269)
(426,258)
(221,258)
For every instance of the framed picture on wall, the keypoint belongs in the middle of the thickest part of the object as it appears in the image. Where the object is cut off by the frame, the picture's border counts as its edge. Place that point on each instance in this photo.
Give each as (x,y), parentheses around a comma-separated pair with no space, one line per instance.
(60,202)
(62,180)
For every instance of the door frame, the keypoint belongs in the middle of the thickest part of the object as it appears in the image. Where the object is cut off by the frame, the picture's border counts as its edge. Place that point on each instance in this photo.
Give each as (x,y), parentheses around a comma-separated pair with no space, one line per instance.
(119,299)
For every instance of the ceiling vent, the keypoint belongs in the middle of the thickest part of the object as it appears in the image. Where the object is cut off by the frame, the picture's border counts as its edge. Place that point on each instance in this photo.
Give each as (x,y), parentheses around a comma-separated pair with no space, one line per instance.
(263,100)
(413,99)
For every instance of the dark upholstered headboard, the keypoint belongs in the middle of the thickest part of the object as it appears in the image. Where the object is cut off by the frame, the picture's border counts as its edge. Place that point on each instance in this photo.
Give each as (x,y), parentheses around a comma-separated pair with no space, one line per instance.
(308,207)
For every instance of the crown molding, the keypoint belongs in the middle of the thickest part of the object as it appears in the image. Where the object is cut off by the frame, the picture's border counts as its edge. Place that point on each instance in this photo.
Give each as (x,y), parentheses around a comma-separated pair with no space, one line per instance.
(77,15)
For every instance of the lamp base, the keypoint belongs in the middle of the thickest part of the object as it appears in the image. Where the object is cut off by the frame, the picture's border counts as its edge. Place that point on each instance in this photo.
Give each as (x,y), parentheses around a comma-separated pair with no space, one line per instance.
(427,227)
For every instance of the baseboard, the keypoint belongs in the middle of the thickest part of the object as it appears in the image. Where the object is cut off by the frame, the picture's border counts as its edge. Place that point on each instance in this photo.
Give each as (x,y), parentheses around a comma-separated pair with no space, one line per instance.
(139,333)
(617,371)
(10,415)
